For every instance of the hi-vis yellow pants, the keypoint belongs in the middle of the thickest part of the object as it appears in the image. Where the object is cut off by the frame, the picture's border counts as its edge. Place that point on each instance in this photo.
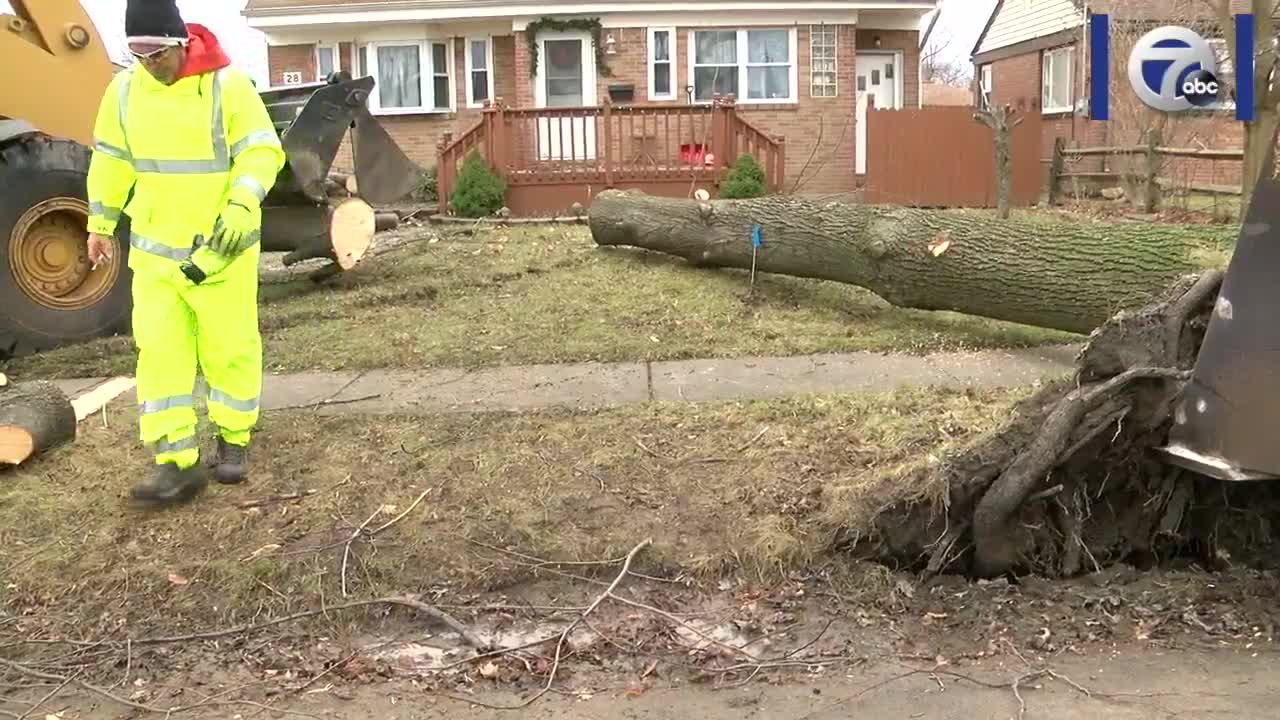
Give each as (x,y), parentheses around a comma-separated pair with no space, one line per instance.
(178,326)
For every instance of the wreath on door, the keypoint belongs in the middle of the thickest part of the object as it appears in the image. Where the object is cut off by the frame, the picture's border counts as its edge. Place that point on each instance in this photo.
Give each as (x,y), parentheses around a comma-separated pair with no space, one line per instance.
(590,25)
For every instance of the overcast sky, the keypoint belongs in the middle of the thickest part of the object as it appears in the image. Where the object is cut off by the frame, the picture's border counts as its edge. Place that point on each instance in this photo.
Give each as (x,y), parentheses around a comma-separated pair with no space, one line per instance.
(961,22)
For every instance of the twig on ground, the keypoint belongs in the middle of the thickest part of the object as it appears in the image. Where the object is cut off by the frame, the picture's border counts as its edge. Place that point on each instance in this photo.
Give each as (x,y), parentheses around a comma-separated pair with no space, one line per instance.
(327,403)
(564,634)
(442,616)
(402,515)
(346,552)
(273,499)
(50,695)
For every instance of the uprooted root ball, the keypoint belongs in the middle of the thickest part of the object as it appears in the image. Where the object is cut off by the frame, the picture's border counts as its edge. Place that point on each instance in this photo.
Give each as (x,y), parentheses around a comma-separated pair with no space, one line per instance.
(1071,481)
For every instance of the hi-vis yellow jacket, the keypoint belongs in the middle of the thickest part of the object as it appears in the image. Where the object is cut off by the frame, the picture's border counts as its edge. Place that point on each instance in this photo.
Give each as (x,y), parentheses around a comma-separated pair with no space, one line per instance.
(185,150)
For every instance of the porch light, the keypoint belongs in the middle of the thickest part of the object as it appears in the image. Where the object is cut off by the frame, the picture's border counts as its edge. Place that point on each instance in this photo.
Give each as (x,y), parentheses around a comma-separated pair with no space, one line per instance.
(610,45)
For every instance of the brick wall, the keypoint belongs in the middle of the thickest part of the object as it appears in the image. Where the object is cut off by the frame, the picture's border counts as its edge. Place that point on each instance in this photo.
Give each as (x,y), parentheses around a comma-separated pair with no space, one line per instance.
(291,58)
(417,135)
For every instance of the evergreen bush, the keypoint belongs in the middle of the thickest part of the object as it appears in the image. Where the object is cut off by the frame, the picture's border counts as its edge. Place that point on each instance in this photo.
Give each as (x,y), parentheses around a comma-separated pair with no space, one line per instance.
(479,192)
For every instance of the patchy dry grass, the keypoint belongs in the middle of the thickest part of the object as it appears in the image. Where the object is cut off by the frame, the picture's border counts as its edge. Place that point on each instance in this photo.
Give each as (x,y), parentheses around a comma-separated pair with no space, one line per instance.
(544,295)
(716,494)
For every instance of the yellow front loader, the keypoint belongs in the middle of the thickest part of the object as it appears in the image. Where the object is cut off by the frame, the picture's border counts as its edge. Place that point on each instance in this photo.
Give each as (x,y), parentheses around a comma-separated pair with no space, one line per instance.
(54,69)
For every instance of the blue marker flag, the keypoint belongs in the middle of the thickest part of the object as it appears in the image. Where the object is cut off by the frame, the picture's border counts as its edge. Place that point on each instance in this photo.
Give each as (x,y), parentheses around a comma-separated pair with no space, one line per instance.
(757,238)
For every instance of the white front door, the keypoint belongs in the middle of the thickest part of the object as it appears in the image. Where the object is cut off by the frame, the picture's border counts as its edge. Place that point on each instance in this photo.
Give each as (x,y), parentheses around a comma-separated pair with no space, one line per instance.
(879,75)
(566,78)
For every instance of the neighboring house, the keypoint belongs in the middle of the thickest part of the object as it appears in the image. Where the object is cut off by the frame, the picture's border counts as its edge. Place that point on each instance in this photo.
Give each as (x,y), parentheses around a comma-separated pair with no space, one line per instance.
(935,94)
(1034,56)
(799,69)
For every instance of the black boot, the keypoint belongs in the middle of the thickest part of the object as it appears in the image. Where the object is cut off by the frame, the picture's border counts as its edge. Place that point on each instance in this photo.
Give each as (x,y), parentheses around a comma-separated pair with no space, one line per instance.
(170,485)
(231,463)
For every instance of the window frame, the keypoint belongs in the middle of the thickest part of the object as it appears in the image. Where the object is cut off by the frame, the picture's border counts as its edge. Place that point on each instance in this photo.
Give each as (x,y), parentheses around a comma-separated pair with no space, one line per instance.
(835,59)
(426,76)
(986,81)
(1046,77)
(651,62)
(742,64)
(471,70)
(335,49)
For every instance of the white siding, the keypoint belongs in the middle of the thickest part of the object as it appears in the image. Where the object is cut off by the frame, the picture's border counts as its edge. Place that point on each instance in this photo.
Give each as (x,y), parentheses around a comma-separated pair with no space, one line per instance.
(1022,20)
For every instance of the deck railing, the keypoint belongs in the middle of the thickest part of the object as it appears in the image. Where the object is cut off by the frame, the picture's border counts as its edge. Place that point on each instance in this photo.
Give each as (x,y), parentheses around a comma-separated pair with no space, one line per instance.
(608,146)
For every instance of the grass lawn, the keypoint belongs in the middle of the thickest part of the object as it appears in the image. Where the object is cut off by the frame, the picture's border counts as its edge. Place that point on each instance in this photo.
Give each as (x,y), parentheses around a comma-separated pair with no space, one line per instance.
(756,488)
(548,294)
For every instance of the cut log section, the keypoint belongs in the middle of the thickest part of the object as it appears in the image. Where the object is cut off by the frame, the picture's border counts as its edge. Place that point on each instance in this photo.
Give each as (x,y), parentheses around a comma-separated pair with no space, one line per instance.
(386,220)
(340,232)
(1049,273)
(34,417)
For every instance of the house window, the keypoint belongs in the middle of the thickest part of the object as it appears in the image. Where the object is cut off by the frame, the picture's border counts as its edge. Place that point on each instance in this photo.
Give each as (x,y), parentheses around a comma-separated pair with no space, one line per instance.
(410,77)
(326,61)
(822,71)
(1056,86)
(763,61)
(479,71)
(661,64)
(984,89)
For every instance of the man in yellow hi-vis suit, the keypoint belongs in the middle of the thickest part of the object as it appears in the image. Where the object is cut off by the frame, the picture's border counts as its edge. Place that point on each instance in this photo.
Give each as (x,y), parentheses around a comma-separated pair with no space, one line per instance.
(192,139)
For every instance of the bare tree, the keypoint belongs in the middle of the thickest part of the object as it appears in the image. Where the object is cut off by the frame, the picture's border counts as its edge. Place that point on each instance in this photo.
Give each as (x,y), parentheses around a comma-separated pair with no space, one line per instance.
(937,65)
(1266,84)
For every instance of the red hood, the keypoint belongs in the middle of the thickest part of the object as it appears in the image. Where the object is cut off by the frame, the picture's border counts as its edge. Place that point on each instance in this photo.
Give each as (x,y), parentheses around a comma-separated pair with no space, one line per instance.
(204,52)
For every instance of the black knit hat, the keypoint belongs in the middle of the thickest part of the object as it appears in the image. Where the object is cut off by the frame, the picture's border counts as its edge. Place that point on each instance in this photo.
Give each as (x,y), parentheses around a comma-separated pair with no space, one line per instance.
(154,20)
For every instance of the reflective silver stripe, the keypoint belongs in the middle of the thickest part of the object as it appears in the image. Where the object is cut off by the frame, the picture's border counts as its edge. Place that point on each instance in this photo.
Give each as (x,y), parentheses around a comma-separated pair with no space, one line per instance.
(164,446)
(222,398)
(169,403)
(126,82)
(220,152)
(152,247)
(257,137)
(110,213)
(111,150)
(251,183)
(179,167)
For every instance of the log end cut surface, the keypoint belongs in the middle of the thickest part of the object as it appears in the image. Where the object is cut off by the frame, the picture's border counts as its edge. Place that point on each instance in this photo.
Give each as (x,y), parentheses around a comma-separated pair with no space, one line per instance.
(353,226)
(34,417)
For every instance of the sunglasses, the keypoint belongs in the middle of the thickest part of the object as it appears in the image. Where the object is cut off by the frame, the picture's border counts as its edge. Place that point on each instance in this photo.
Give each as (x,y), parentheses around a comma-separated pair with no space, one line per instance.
(150,52)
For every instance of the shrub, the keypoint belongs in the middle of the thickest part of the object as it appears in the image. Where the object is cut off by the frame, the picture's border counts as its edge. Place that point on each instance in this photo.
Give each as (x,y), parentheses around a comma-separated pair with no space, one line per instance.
(745,180)
(480,192)
(425,191)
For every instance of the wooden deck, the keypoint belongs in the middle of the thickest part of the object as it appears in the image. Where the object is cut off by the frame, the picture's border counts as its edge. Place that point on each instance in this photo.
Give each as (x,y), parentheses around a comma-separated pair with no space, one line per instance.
(552,158)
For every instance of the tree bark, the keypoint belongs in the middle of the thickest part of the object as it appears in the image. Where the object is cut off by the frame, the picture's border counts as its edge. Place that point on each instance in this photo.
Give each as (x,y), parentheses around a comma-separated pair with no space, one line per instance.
(1051,274)
(340,232)
(386,220)
(34,417)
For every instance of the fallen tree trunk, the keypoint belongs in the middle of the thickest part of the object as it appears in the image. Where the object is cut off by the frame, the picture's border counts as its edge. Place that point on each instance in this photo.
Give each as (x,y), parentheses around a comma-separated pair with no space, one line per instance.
(340,232)
(34,417)
(1053,274)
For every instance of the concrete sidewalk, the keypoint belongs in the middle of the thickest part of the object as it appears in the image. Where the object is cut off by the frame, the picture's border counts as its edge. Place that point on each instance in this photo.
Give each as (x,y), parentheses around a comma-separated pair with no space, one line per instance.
(587,386)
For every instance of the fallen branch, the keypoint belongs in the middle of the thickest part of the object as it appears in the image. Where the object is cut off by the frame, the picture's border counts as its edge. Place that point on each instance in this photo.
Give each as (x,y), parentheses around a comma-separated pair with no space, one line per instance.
(346,551)
(563,637)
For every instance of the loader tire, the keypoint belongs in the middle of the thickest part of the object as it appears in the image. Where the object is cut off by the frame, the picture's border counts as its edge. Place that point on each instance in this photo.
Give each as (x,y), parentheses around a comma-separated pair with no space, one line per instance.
(49,297)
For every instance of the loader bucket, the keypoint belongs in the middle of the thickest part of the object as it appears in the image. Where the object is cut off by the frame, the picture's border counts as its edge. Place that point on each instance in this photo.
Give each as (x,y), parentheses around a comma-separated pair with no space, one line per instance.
(1226,423)
(313,120)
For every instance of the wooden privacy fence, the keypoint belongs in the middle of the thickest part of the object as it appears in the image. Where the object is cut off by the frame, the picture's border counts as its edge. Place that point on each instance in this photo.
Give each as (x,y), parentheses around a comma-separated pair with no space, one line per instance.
(943,157)
(551,158)
(1147,174)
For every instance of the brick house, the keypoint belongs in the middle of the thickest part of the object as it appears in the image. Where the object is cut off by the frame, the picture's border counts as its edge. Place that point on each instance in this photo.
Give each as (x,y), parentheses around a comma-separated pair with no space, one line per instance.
(801,70)
(1034,56)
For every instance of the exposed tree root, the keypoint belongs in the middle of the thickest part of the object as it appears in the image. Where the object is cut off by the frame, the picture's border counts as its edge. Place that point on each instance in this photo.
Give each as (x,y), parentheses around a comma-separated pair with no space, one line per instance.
(1070,482)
